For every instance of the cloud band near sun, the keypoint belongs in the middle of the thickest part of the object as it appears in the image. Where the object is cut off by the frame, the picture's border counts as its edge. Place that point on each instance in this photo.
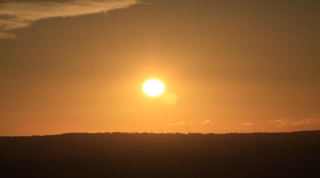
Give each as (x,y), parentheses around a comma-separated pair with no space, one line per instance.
(20,14)
(303,122)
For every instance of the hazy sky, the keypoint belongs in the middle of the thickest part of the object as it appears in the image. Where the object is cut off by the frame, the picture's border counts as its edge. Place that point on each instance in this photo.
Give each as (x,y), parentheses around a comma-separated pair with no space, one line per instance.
(236,66)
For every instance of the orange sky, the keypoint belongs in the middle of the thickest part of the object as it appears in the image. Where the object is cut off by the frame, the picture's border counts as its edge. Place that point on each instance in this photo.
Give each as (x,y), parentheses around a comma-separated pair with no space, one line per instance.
(236,66)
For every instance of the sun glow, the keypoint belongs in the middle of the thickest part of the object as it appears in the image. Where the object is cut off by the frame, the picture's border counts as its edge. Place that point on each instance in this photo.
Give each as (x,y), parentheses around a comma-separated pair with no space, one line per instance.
(153,87)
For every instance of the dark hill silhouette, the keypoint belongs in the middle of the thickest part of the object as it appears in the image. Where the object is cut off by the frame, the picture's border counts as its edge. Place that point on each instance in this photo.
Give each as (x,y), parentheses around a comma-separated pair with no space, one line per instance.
(126,155)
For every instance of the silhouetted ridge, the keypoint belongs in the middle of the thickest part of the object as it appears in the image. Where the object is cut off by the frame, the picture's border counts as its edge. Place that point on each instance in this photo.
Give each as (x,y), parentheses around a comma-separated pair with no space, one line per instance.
(161,155)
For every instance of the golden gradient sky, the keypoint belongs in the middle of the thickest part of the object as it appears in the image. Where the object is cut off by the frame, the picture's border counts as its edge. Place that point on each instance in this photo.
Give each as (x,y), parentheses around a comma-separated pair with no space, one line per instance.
(236,66)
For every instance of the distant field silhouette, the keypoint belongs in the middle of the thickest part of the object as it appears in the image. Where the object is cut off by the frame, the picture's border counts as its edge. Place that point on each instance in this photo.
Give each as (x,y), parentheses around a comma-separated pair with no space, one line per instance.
(295,154)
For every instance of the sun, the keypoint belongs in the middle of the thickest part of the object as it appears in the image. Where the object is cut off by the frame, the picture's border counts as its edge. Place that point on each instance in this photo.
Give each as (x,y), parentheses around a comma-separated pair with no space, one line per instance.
(153,87)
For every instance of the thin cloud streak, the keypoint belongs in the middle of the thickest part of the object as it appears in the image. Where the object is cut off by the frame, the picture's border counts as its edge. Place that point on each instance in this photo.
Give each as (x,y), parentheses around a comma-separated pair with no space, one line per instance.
(308,121)
(288,122)
(16,15)
(246,123)
(206,122)
(178,123)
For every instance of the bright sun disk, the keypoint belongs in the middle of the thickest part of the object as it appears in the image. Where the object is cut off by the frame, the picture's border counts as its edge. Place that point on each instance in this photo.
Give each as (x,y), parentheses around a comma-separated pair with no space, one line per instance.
(153,87)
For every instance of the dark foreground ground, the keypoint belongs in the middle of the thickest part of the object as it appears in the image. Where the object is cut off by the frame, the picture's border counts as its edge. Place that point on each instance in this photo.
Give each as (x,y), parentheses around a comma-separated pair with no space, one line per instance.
(162,155)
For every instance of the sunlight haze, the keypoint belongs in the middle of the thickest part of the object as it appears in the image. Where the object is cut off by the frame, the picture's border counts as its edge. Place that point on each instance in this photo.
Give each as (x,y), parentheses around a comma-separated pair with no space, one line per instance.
(225,66)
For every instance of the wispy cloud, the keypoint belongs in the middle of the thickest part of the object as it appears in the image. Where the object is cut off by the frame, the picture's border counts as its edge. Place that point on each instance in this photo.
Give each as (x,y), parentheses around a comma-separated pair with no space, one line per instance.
(20,14)
(282,122)
(308,121)
(178,123)
(288,122)
(247,123)
(206,122)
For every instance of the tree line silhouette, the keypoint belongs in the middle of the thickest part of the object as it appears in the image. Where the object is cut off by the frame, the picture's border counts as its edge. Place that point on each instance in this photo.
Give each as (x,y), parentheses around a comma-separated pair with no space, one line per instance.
(295,154)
